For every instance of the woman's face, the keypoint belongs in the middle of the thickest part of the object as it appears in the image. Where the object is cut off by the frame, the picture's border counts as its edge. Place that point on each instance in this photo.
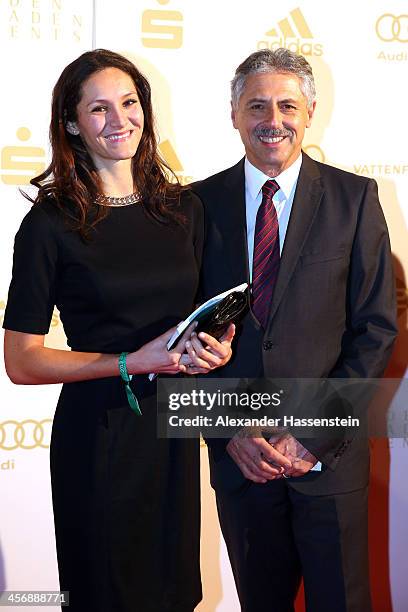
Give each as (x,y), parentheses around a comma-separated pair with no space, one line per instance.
(110,117)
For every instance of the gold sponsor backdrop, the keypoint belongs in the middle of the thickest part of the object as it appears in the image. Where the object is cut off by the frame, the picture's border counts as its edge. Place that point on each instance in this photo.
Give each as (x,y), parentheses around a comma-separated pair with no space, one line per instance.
(38,38)
(189,51)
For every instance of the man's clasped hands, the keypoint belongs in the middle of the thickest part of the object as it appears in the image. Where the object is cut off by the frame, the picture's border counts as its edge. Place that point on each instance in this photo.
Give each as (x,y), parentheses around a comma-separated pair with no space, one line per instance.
(260,460)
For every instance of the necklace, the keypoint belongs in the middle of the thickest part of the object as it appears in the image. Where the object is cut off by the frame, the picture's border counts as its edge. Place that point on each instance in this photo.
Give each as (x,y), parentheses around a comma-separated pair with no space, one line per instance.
(104,200)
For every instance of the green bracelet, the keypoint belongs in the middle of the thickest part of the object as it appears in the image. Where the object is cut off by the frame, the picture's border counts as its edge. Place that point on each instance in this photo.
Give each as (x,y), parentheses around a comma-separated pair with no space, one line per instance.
(126,377)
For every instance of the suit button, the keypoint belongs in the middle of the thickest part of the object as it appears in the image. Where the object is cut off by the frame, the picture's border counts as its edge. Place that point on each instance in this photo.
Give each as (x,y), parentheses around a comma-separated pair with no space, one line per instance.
(267,345)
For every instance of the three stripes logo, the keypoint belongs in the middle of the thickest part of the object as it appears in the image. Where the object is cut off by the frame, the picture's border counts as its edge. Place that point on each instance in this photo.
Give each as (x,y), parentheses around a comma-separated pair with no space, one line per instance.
(288,31)
(293,33)
(171,158)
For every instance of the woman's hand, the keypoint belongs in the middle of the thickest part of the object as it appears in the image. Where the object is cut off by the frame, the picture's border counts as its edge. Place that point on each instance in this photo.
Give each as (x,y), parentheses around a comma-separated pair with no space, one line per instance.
(154,357)
(205,353)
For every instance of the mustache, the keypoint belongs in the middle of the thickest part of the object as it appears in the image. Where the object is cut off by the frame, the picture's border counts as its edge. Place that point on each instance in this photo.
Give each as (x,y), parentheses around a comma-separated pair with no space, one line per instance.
(266,132)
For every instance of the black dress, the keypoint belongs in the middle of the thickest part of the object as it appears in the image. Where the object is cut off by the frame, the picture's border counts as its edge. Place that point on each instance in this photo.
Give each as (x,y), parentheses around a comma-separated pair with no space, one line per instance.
(126,504)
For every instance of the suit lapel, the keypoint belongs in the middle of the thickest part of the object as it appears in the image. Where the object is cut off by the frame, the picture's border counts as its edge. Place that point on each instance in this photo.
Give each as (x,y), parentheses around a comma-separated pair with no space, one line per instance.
(306,203)
(232,223)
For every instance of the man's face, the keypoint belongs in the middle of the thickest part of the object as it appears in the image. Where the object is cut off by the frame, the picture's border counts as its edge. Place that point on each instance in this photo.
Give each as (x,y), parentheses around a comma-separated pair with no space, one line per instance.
(271,117)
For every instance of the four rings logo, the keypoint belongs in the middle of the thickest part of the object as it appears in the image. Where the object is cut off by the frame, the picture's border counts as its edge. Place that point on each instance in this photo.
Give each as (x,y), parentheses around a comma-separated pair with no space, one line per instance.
(26,434)
(316,152)
(392,28)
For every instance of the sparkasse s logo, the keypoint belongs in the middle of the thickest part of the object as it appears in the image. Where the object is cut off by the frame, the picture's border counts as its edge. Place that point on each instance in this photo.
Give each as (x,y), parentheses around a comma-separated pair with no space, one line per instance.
(162,29)
(294,34)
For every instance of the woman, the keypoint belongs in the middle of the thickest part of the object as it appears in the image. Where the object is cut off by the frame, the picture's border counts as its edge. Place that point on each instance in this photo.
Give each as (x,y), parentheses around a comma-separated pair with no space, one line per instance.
(117,248)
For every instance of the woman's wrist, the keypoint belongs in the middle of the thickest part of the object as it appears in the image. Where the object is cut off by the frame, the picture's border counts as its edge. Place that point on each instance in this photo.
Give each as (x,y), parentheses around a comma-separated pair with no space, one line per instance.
(134,364)
(127,378)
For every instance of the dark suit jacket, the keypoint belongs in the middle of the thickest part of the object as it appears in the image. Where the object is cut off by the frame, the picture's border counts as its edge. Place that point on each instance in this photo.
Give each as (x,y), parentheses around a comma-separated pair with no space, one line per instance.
(333,309)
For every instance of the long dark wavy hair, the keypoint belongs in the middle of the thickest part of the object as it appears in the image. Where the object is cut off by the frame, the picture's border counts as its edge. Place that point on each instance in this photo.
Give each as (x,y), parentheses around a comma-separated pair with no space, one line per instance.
(71,180)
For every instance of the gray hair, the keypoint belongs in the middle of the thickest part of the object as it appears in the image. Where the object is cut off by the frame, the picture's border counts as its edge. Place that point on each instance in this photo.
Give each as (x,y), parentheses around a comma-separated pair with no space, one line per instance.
(281,61)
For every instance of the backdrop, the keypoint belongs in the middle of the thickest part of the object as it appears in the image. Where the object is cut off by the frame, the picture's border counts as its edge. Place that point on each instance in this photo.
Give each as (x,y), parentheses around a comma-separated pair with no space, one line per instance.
(189,51)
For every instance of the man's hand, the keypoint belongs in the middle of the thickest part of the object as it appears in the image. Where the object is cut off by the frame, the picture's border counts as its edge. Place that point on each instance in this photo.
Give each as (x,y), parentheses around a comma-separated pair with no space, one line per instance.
(258,460)
(302,461)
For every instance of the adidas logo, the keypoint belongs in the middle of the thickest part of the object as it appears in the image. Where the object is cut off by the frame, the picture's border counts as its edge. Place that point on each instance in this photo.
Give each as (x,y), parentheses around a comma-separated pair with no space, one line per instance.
(287,30)
(168,153)
(294,34)
(172,159)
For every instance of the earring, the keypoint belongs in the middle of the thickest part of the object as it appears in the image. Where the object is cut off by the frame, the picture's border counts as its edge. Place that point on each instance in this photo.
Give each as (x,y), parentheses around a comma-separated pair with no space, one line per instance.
(72,128)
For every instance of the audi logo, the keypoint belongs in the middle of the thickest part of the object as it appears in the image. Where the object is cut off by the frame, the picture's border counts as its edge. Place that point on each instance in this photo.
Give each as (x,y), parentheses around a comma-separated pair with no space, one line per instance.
(316,152)
(392,28)
(26,434)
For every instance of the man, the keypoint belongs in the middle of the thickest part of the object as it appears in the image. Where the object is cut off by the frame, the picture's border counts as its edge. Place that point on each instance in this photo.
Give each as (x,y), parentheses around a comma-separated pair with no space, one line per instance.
(313,242)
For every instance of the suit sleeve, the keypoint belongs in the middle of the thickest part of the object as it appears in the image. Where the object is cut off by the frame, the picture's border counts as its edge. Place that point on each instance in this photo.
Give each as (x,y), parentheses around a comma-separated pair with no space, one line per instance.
(371,318)
(371,303)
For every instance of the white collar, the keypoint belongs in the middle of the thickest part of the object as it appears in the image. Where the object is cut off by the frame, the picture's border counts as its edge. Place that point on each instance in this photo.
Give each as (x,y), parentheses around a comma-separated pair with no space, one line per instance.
(255,178)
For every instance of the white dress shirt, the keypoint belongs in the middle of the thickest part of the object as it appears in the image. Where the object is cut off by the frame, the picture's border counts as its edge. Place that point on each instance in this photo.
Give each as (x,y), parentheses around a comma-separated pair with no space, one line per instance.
(283,200)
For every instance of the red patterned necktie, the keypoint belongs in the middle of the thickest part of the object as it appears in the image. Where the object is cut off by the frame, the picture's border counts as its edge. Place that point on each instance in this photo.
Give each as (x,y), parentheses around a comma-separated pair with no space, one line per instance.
(265,265)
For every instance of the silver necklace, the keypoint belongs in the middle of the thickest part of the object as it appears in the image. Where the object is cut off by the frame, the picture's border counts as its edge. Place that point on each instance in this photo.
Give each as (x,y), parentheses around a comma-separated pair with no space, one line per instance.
(104,200)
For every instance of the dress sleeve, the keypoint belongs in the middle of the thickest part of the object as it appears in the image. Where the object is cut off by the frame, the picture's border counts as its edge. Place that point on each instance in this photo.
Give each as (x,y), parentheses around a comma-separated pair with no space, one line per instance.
(32,291)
